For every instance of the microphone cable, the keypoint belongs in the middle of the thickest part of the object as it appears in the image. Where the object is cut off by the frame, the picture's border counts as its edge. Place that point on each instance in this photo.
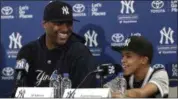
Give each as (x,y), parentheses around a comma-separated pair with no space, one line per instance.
(69,96)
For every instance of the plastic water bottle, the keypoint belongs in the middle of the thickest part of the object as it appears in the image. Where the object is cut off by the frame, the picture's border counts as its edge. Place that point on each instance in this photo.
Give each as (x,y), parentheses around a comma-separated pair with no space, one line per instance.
(118,84)
(55,83)
(122,84)
(65,83)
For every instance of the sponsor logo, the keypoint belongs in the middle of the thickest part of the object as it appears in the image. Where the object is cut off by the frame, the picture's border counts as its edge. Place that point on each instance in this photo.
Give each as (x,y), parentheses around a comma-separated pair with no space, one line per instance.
(127,7)
(136,34)
(157,6)
(7,73)
(173,74)
(174,7)
(6,12)
(117,39)
(95,7)
(91,37)
(14,45)
(174,70)
(156,66)
(94,38)
(166,36)
(167,43)
(127,13)
(78,10)
(23,12)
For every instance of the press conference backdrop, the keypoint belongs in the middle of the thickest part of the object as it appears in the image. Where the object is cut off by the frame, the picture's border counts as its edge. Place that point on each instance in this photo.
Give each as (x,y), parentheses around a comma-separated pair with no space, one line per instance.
(102,24)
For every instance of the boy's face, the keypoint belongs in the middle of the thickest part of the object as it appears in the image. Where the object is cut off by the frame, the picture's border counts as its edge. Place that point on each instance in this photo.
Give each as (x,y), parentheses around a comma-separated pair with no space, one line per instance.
(131,62)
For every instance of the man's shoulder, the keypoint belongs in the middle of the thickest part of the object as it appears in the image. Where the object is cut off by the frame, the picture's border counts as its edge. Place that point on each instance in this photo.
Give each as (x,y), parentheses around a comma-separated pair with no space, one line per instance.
(78,45)
(159,71)
(28,50)
(76,42)
(30,45)
(160,74)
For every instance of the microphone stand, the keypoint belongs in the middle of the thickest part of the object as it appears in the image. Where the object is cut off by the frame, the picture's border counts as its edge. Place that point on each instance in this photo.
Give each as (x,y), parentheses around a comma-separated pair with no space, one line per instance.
(101,81)
(20,79)
(19,82)
(70,95)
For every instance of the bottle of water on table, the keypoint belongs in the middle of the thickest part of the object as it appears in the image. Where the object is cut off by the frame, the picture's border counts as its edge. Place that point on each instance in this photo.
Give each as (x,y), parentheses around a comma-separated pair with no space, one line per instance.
(118,84)
(65,83)
(122,84)
(55,83)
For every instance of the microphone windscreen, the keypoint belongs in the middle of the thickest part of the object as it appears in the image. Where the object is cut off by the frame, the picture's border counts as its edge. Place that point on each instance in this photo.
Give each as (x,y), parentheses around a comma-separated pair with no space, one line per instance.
(22,65)
(118,68)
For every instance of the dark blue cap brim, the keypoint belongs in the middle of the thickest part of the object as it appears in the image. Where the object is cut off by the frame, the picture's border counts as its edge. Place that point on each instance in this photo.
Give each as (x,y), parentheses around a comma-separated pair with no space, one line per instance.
(58,20)
(119,48)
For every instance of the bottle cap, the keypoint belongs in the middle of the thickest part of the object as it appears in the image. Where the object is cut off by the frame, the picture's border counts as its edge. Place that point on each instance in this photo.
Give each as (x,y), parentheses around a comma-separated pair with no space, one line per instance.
(66,74)
(120,74)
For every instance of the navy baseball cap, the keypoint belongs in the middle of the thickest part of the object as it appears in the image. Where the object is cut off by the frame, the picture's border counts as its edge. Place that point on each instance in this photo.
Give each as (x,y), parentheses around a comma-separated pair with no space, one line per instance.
(57,11)
(138,45)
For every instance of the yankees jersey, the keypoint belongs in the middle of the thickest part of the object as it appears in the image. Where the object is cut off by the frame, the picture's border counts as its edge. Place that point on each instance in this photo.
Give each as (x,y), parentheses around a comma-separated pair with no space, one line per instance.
(159,77)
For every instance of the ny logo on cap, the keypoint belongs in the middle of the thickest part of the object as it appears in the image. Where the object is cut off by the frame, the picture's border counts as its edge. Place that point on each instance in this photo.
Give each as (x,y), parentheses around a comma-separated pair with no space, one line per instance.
(65,10)
(127,41)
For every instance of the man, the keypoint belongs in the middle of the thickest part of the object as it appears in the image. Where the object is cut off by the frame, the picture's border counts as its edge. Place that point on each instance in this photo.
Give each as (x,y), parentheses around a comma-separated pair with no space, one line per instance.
(58,49)
(142,80)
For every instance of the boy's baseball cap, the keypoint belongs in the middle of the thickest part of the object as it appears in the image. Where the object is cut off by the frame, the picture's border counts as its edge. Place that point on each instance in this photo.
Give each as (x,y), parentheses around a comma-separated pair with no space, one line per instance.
(137,44)
(57,11)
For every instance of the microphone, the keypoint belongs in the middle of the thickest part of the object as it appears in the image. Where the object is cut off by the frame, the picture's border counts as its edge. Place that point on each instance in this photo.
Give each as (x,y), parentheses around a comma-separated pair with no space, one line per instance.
(109,69)
(21,68)
(113,83)
(103,69)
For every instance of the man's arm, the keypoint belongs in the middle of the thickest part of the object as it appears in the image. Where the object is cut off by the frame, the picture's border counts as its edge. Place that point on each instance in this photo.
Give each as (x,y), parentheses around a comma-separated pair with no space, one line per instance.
(158,83)
(146,91)
(161,80)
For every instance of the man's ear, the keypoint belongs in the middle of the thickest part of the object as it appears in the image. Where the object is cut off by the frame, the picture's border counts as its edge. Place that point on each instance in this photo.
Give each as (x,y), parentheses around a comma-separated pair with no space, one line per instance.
(144,60)
(44,24)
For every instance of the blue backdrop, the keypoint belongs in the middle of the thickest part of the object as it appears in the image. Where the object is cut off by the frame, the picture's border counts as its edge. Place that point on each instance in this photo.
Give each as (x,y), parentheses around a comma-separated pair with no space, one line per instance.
(102,23)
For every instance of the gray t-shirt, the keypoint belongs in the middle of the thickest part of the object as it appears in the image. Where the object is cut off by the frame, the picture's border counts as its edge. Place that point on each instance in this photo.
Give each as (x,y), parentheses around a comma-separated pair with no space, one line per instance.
(159,77)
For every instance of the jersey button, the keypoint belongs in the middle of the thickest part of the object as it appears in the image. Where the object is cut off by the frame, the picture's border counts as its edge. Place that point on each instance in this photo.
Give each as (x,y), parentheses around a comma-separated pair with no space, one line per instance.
(49,61)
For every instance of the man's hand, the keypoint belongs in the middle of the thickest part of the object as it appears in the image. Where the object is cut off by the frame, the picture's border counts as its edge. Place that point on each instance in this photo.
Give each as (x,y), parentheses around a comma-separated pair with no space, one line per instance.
(115,95)
(118,95)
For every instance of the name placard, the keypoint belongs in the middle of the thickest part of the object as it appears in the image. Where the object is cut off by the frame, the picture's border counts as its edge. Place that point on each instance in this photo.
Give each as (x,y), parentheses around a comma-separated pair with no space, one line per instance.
(34,92)
(87,93)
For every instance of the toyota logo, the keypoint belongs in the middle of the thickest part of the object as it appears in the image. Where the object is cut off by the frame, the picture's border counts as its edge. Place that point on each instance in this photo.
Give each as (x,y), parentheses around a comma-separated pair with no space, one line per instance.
(117,37)
(78,8)
(157,4)
(8,71)
(7,10)
(156,66)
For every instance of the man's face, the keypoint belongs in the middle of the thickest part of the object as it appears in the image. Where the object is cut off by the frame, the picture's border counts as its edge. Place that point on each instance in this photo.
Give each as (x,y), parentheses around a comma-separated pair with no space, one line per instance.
(131,62)
(59,32)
